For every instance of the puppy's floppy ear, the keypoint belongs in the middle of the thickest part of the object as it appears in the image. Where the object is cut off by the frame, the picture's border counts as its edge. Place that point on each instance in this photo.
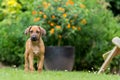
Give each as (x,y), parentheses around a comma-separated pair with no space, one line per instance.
(43,31)
(27,30)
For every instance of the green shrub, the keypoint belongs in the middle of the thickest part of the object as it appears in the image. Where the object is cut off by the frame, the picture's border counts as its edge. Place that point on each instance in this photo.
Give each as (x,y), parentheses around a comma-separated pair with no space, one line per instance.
(95,38)
(12,39)
(15,16)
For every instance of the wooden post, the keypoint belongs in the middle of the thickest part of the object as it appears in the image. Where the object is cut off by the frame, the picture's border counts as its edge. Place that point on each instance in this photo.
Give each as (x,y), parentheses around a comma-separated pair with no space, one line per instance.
(108,59)
(115,51)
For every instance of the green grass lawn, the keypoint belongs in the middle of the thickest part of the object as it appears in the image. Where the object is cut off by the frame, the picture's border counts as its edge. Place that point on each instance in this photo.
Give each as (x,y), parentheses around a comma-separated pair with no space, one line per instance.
(18,74)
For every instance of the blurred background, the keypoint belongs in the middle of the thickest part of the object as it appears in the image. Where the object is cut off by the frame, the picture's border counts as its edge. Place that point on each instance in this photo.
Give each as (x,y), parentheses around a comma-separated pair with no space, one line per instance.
(88,25)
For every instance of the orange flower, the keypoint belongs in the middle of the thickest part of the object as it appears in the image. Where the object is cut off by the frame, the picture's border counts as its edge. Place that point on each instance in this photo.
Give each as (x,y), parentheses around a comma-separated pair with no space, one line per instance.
(52,31)
(70,2)
(68,26)
(40,12)
(53,17)
(34,12)
(83,21)
(61,9)
(52,24)
(64,15)
(79,28)
(60,36)
(44,16)
(82,6)
(58,27)
(36,19)
(73,27)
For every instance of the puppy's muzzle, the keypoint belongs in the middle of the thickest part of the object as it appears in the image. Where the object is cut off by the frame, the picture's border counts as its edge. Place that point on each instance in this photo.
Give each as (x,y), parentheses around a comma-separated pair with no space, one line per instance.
(34,38)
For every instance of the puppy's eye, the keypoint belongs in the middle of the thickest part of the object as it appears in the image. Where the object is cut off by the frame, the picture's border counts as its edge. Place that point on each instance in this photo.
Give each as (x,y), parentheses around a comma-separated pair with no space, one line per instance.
(37,31)
(31,31)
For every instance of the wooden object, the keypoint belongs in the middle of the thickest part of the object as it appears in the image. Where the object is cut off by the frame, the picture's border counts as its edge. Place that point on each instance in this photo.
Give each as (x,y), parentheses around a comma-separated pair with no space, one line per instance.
(115,51)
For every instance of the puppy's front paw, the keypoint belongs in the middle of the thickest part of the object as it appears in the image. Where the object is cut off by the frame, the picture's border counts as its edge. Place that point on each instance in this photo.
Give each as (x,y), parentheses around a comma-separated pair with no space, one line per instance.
(39,70)
(32,69)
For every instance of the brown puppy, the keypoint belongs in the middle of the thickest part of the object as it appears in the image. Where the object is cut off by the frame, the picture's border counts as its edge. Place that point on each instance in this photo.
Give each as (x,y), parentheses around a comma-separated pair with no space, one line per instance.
(34,48)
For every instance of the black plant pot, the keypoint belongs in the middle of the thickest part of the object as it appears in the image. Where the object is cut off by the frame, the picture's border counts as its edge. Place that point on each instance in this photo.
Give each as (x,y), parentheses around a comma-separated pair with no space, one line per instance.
(59,58)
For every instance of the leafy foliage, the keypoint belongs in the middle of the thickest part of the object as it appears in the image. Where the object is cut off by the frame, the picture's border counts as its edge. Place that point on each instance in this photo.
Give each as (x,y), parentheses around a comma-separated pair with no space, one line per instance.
(12,25)
(12,40)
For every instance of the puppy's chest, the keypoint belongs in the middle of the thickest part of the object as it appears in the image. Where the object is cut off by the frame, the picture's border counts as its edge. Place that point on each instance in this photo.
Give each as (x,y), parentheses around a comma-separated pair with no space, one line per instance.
(36,50)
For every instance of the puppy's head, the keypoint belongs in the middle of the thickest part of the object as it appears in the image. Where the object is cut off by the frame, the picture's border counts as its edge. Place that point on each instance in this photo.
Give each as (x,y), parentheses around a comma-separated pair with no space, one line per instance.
(35,32)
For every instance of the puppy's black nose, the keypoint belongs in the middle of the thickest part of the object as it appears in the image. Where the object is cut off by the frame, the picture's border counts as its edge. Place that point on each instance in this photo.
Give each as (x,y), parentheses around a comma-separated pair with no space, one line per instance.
(34,38)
